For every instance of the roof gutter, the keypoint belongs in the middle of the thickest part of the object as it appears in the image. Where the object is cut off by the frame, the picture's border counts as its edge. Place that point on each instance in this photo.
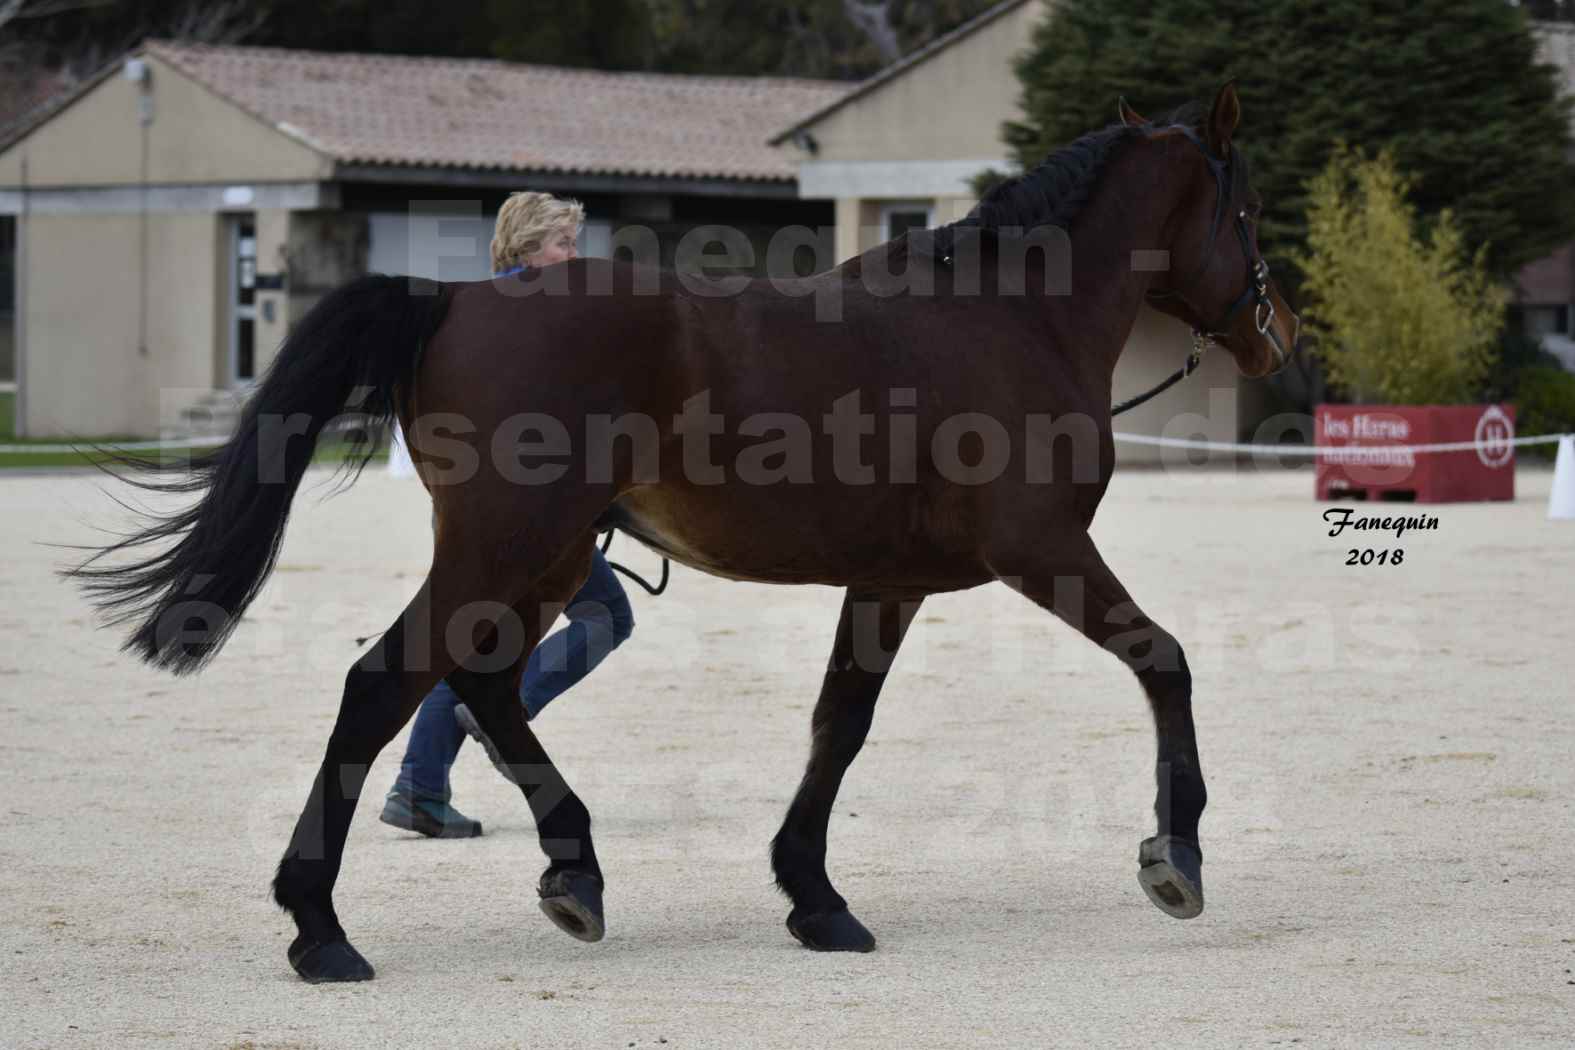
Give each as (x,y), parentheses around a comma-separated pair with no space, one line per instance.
(783,188)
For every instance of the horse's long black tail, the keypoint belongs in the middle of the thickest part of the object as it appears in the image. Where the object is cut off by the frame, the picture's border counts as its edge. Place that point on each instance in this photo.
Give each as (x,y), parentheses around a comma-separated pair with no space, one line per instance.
(356,350)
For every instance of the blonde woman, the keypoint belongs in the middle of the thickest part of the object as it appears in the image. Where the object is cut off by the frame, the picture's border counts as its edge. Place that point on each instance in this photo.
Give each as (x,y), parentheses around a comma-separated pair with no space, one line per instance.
(533,230)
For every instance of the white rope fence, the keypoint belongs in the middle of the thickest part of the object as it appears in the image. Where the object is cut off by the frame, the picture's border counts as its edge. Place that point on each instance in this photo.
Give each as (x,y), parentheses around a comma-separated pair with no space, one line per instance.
(1561,501)
(117,446)
(1561,498)
(1308,451)
(1343,452)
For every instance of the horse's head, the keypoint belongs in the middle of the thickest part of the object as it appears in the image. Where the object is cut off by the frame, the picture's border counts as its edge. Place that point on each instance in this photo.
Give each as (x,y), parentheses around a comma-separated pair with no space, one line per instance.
(1218,282)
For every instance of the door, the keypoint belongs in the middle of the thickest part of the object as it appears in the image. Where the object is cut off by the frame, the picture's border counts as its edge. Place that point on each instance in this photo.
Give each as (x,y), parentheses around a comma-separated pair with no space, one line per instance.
(7,306)
(243,300)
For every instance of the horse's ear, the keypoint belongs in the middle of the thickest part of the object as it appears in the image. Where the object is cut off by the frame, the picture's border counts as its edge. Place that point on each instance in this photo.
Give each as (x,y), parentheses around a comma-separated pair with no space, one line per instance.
(1223,119)
(1129,116)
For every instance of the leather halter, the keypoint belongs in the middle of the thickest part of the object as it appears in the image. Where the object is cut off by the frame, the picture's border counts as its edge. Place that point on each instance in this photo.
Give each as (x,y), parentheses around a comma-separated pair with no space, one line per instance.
(1257,291)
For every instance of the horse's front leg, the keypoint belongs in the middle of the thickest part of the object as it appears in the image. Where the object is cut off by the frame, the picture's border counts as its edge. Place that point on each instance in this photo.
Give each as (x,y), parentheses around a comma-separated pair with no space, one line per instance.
(1073,582)
(868,635)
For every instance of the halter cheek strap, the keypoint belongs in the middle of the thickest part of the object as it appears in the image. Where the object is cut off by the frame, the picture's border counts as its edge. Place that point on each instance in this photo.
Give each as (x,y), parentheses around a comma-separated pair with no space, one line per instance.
(1257,290)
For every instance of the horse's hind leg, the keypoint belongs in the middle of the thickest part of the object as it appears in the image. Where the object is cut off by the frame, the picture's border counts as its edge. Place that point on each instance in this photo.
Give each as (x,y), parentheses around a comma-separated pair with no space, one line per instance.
(381,692)
(868,636)
(1072,580)
(571,887)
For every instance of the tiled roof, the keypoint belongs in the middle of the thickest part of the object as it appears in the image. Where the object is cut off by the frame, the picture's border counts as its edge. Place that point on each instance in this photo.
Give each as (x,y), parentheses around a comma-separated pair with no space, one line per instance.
(26,97)
(471,113)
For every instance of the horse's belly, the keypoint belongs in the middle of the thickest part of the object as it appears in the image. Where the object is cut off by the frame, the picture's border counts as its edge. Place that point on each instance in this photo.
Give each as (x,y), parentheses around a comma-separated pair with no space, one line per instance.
(770,536)
(655,523)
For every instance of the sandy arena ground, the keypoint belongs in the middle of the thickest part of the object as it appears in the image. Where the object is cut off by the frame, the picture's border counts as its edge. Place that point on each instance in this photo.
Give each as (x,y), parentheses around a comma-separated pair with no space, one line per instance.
(1389,842)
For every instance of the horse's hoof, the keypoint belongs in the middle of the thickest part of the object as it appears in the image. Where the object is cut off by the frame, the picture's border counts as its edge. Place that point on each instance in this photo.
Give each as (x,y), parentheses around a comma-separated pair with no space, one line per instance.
(831,931)
(573,901)
(1171,873)
(320,963)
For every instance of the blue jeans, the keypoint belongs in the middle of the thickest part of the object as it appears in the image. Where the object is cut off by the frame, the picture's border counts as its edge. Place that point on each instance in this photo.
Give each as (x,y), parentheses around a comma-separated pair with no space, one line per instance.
(599,620)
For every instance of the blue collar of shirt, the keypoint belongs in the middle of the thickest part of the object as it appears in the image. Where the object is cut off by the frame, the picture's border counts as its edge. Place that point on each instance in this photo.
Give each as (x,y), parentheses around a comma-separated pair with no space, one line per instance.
(511,271)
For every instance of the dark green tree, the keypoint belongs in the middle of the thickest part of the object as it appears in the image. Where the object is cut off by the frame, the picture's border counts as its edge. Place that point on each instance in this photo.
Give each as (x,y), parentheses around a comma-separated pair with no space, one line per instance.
(609,34)
(1451,87)
(812,38)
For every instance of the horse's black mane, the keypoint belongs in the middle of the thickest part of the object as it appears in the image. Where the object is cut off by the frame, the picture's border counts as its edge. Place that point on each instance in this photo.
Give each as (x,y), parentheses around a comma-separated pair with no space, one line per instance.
(1054,191)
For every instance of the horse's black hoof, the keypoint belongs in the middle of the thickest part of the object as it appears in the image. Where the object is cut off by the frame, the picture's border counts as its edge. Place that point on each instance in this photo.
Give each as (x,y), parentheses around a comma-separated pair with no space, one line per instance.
(573,901)
(831,931)
(1171,873)
(319,963)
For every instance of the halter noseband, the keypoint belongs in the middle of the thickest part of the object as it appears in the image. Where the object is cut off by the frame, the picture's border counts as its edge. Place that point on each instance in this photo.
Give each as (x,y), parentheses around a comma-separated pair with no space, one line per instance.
(1257,290)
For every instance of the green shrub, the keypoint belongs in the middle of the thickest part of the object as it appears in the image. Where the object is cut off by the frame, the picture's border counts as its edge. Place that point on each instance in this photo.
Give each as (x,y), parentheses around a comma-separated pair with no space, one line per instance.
(1407,317)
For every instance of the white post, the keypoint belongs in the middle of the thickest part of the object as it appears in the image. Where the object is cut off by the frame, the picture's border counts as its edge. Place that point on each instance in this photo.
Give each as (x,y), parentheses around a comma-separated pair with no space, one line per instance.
(1561,501)
(399,462)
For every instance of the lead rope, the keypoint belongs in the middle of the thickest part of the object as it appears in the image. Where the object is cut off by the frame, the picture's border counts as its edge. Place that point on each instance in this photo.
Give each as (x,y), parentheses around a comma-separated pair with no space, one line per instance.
(636,577)
(1187,368)
(606,542)
(1199,344)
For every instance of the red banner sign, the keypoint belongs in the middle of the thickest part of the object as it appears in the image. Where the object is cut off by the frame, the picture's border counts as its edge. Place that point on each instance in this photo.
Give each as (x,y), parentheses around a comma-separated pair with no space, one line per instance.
(1375,458)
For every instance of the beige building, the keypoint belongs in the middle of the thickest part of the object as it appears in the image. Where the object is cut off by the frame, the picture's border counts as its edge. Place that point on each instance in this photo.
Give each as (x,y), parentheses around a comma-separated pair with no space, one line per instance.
(172,217)
(169,220)
(899,151)
(175,215)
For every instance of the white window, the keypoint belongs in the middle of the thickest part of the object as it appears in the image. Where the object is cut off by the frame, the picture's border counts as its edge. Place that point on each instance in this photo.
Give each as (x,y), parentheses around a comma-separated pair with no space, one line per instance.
(596,239)
(451,246)
(898,217)
(441,246)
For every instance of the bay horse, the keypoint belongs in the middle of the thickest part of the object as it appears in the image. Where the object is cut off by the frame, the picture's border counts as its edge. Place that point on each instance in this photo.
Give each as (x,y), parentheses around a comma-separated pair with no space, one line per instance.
(1010,338)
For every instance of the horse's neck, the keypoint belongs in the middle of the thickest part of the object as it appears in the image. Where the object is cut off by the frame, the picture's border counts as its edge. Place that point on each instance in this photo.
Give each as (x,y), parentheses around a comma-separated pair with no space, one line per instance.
(1118,247)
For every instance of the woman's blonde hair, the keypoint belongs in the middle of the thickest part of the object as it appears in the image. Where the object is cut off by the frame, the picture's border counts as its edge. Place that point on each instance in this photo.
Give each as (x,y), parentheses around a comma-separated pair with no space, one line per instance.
(526,222)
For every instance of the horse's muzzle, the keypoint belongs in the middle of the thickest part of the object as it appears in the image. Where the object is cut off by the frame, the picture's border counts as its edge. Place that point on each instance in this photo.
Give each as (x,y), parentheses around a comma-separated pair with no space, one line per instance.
(1282,354)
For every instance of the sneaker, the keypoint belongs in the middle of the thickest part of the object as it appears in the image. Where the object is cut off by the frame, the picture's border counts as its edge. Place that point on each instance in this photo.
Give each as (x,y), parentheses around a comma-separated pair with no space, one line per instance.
(468,723)
(430,817)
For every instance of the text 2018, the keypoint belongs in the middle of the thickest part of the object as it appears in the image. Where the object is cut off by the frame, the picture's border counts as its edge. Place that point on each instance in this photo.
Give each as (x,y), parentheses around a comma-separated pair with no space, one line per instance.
(1368,556)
